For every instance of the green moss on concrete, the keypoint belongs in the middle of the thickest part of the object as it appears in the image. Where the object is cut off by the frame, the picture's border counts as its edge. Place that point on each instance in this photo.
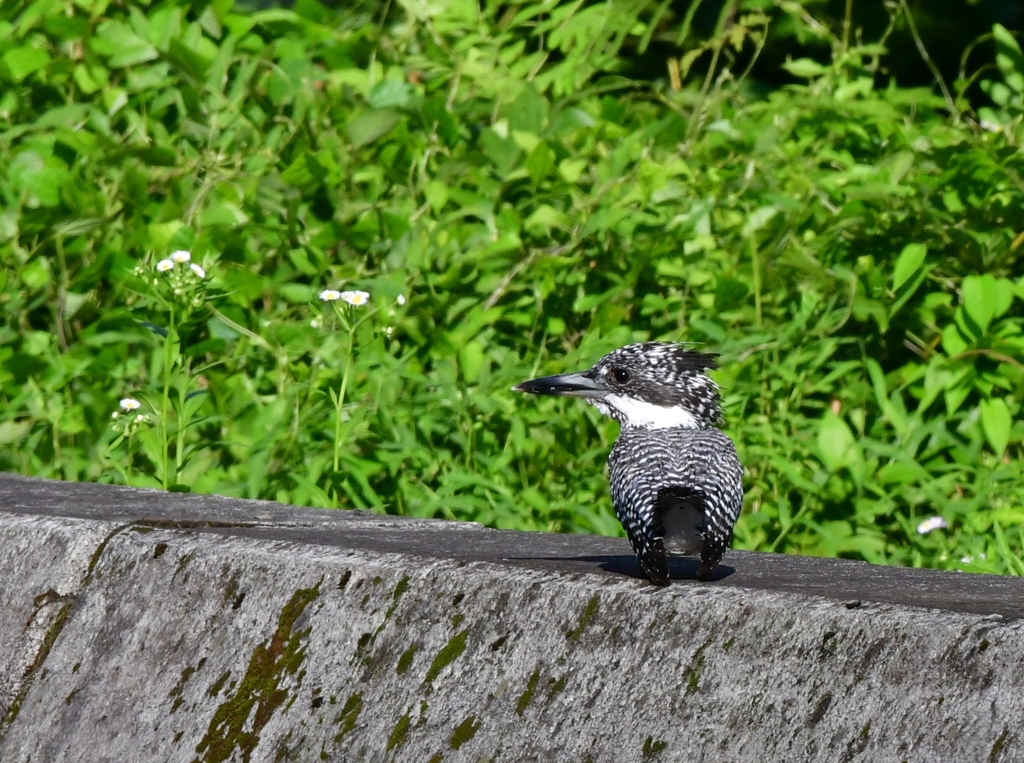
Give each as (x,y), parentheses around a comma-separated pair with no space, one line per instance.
(997,747)
(555,687)
(652,747)
(49,638)
(348,716)
(219,684)
(464,732)
(828,644)
(527,696)
(402,587)
(238,722)
(589,612)
(159,549)
(695,669)
(820,709)
(232,589)
(183,563)
(405,661)
(179,688)
(437,757)
(363,647)
(400,733)
(451,651)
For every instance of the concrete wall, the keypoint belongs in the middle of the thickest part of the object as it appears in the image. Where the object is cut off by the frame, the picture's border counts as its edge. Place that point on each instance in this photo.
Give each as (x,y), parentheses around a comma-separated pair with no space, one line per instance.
(146,626)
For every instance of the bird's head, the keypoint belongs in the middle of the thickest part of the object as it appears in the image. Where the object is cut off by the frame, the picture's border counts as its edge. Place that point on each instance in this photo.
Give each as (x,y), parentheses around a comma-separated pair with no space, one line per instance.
(653,385)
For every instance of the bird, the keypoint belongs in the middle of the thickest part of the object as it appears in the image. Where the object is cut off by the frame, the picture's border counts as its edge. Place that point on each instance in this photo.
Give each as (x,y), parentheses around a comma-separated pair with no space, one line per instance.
(675,478)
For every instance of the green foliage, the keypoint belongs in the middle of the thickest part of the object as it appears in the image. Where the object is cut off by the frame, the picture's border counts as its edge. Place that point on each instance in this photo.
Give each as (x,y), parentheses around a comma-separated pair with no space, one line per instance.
(849,247)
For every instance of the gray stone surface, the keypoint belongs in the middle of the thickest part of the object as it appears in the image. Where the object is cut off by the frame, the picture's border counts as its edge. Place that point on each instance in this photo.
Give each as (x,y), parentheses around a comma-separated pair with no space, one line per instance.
(147,626)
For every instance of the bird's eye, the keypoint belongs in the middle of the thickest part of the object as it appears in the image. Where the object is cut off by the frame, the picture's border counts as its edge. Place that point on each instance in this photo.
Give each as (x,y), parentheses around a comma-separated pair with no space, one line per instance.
(621,375)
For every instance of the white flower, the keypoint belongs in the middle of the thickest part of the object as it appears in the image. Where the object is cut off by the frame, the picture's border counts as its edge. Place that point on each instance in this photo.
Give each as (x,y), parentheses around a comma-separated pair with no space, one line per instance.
(356,298)
(987,124)
(317,322)
(198,270)
(401,300)
(181,256)
(966,559)
(329,295)
(141,417)
(932,523)
(114,415)
(164,265)
(130,404)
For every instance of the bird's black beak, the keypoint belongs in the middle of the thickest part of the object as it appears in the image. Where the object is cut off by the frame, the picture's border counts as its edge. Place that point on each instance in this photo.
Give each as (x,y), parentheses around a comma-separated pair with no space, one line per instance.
(564,385)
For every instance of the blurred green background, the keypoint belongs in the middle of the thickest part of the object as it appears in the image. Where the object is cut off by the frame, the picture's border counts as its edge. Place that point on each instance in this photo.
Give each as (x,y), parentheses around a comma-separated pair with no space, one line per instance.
(828,194)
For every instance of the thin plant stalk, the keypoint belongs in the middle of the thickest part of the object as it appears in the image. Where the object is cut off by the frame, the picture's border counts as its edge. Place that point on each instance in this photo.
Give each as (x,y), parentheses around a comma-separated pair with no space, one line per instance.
(339,404)
(755,258)
(179,449)
(165,398)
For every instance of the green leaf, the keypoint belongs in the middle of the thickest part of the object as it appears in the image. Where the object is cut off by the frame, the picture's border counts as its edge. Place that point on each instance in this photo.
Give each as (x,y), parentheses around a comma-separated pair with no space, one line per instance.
(540,162)
(757,219)
(836,443)
(503,151)
(529,111)
(996,422)
(955,394)
(436,194)
(471,358)
(979,295)
(1002,297)
(119,43)
(953,342)
(296,293)
(1009,58)
(908,263)
(805,67)
(390,93)
(304,170)
(189,59)
(371,125)
(21,62)
(224,214)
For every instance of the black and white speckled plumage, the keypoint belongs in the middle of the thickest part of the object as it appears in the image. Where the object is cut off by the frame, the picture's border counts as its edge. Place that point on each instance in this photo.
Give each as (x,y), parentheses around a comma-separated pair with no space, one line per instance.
(680,488)
(676,481)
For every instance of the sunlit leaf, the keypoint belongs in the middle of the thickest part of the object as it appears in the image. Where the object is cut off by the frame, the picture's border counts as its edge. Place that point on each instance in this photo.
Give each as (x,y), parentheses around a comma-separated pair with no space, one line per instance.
(996,422)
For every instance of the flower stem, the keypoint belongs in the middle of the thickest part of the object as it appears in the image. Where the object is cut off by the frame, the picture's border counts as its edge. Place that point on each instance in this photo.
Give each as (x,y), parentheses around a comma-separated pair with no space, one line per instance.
(339,404)
(128,470)
(168,361)
(179,449)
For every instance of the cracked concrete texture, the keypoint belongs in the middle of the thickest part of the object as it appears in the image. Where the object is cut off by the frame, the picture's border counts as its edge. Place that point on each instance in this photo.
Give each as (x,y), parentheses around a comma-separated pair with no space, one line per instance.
(226,641)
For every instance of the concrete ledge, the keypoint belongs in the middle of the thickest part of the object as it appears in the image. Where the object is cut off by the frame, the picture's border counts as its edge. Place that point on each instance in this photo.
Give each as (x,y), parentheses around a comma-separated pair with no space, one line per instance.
(147,626)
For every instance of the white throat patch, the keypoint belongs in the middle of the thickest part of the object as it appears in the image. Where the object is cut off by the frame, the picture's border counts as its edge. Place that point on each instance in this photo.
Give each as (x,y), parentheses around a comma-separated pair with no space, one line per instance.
(641,415)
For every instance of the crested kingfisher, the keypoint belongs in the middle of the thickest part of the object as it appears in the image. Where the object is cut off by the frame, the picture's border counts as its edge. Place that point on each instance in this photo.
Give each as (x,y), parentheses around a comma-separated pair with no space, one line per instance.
(676,481)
